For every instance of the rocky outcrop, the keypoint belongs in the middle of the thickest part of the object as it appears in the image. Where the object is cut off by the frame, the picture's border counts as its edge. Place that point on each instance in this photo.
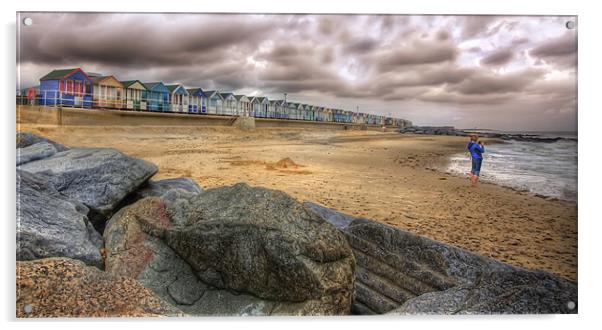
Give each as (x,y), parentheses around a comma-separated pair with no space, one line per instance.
(61,287)
(402,273)
(33,152)
(168,189)
(241,264)
(449,130)
(25,139)
(98,178)
(263,242)
(53,225)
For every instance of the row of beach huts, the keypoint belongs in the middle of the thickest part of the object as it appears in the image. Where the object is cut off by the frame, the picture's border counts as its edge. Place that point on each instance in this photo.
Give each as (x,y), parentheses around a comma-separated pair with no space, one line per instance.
(76,88)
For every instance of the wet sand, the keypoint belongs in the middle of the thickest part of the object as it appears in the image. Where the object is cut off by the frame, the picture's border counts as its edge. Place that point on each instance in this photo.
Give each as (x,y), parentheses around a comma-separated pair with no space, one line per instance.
(382,176)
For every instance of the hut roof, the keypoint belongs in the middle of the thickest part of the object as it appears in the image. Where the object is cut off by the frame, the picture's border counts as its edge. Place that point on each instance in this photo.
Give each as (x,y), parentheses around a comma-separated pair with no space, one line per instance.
(98,79)
(193,91)
(226,94)
(239,97)
(210,93)
(176,87)
(128,83)
(61,73)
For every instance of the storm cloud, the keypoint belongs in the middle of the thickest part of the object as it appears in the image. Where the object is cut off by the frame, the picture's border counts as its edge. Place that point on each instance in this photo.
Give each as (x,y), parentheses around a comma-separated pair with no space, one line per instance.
(422,68)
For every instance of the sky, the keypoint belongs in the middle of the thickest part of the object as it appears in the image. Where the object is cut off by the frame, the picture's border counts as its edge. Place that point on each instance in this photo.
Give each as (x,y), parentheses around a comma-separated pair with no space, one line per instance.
(498,72)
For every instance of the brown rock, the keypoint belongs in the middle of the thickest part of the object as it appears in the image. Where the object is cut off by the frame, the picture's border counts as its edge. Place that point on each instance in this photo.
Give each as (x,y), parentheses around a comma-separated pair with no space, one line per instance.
(62,287)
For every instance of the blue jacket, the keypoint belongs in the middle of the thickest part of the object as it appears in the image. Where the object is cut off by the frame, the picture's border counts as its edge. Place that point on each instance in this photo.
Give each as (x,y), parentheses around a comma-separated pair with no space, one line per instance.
(476,150)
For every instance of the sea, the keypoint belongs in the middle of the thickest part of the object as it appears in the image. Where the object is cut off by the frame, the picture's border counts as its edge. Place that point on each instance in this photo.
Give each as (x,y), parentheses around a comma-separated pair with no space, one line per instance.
(544,168)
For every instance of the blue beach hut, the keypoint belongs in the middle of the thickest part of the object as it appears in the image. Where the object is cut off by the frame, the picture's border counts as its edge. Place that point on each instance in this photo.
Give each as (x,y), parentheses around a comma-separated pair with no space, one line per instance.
(198,101)
(156,96)
(178,98)
(71,87)
(215,102)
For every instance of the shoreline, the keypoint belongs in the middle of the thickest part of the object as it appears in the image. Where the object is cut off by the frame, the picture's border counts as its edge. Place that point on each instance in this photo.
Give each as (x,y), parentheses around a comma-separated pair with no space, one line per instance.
(376,175)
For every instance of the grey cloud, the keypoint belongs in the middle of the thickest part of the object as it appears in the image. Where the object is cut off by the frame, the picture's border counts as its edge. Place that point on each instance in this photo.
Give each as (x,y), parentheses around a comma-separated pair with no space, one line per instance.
(419,52)
(384,62)
(562,46)
(498,57)
(362,45)
(492,83)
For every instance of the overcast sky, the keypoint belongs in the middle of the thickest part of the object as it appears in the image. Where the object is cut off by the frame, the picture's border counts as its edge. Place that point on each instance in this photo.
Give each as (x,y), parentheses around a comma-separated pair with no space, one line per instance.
(513,73)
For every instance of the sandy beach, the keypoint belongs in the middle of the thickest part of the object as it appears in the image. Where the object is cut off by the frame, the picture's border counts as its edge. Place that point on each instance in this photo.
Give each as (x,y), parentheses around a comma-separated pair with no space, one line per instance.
(387,177)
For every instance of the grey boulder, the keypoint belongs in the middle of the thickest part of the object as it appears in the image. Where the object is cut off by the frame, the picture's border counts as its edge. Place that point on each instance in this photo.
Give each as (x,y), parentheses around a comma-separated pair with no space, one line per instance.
(50,224)
(168,189)
(25,139)
(402,273)
(100,178)
(35,151)
(134,240)
(265,243)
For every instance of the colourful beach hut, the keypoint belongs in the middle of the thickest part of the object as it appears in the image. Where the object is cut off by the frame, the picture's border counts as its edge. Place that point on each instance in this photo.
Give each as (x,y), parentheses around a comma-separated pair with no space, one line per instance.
(274,108)
(215,102)
(108,92)
(71,87)
(156,96)
(293,113)
(243,105)
(260,106)
(178,98)
(133,95)
(229,103)
(198,101)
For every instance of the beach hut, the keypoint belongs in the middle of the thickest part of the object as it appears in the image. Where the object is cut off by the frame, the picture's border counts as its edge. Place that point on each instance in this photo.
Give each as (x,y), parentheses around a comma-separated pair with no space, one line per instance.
(229,103)
(275,108)
(178,98)
(108,92)
(312,112)
(72,87)
(260,106)
(300,111)
(215,102)
(29,95)
(198,101)
(133,95)
(319,113)
(292,111)
(156,96)
(243,105)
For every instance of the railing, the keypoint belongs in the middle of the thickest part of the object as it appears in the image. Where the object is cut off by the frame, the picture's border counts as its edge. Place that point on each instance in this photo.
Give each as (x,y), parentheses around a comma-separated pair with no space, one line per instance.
(55,98)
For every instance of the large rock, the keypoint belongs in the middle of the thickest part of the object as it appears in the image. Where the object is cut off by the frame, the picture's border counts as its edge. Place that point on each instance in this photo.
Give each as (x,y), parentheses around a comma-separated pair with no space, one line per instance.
(402,273)
(36,151)
(50,224)
(99,178)
(25,139)
(168,189)
(61,287)
(136,243)
(265,243)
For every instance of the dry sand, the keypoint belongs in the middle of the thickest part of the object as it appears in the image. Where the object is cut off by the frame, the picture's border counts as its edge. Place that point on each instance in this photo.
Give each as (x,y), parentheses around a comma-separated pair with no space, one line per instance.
(380,176)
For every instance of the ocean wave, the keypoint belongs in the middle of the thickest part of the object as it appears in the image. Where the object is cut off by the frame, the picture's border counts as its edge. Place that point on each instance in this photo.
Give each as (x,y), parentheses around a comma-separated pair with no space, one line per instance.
(548,169)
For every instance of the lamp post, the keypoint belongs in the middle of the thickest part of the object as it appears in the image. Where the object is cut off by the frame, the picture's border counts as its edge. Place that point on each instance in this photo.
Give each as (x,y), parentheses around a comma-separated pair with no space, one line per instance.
(285,97)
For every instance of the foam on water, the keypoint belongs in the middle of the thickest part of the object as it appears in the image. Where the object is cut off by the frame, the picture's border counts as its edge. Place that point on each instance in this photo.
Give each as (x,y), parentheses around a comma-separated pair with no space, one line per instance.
(548,169)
